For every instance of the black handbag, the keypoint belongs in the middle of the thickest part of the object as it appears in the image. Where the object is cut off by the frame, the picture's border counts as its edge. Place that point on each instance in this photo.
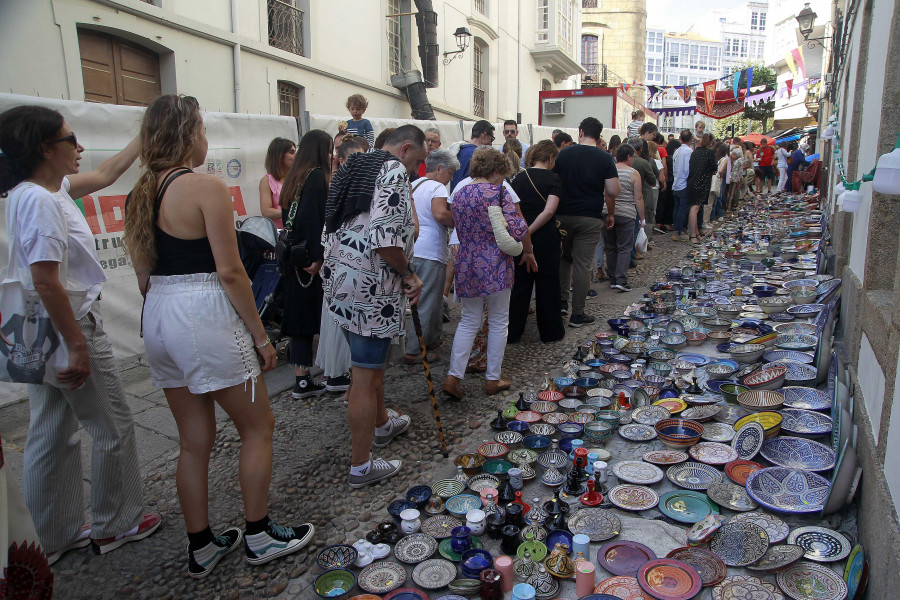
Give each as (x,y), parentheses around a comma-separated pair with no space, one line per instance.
(288,250)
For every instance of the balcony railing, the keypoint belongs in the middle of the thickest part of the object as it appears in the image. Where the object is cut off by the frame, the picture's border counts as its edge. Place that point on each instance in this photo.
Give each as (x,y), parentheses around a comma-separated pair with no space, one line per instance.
(285,26)
(589,3)
(596,75)
(479,103)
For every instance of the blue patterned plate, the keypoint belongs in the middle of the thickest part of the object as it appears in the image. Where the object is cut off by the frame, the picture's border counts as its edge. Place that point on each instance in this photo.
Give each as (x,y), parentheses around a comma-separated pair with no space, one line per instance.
(748,440)
(797,453)
(791,491)
(695,359)
(796,372)
(853,570)
(713,385)
(792,355)
(462,503)
(694,476)
(796,341)
(806,398)
(806,310)
(806,422)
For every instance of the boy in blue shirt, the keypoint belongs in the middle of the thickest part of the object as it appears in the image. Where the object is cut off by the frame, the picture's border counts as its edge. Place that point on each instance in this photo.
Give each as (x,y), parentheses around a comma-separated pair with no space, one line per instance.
(357,105)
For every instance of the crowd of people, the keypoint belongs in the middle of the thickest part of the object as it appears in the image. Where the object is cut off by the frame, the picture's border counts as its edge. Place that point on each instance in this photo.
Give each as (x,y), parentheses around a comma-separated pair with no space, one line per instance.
(372,226)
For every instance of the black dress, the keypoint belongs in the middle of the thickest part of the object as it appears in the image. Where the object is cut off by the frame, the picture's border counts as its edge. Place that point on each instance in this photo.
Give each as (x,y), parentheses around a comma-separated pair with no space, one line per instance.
(303,305)
(701,169)
(546,243)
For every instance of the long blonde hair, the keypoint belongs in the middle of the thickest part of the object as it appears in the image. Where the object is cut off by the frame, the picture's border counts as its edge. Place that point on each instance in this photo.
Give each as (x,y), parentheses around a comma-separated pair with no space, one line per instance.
(512,149)
(169,136)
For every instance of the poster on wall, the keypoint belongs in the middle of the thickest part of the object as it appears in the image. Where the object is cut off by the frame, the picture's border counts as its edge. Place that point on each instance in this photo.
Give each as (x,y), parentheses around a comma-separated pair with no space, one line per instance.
(237,151)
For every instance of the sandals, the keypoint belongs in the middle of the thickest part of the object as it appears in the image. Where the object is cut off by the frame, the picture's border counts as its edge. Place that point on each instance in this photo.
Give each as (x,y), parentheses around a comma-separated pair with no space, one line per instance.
(695,238)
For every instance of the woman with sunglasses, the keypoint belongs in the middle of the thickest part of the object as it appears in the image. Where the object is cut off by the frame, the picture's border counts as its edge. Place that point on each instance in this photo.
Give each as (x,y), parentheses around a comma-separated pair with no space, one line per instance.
(39,164)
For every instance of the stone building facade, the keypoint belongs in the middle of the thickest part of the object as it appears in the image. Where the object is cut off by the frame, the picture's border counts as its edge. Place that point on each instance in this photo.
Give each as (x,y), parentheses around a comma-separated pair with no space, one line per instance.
(618,27)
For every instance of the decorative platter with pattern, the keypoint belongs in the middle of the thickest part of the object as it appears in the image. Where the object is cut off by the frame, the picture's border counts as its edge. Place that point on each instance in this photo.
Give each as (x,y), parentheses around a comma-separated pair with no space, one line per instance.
(694,476)
(415,548)
(745,587)
(809,581)
(713,453)
(636,471)
(785,490)
(633,497)
(820,544)
(740,544)
(382,577)
(776,529)
(599,525)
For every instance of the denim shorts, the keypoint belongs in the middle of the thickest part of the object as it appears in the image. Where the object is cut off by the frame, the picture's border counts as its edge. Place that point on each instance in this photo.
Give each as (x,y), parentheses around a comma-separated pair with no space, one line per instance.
(367,352)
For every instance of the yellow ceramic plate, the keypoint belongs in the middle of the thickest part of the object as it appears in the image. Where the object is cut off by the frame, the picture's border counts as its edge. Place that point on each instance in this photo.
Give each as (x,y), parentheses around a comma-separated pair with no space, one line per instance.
(673,405)
(770,420)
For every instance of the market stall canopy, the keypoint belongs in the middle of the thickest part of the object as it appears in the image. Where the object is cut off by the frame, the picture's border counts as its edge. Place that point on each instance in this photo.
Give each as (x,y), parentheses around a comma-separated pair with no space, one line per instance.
(757,138)
(725,106)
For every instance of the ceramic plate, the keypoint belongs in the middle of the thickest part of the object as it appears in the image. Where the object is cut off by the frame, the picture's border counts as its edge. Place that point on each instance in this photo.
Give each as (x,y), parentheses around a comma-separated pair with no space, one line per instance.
(650,415)
(713,453)
(792,355)
(806,398)
(739,470)
(791,491)
(633,497)
(717,432)
(447,552)
(702,413)
(805,310)
(709,566)
(686,506)
(731,496)
(665,457)
(693,476)
(626,588)
(669,579)
(821,544)
(382,577)
(746,587)
(698,360)
(748,440)
(434,574)
(776,529)
(639,472)
(798,453)
(637,432)
(407,593)
(740,543)
(415,548)
(809,581)
(730,414)
(440,526)
(805,422)
(778,557)
(624,557)
(853,571)
(462,503)
(597,524)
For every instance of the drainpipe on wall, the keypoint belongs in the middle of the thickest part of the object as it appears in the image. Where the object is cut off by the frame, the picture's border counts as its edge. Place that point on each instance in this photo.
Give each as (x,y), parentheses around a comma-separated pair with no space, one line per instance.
(412,83)
(237,58)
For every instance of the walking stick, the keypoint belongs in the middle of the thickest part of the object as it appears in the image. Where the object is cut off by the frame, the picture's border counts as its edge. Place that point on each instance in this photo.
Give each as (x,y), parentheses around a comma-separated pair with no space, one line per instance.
(434,406)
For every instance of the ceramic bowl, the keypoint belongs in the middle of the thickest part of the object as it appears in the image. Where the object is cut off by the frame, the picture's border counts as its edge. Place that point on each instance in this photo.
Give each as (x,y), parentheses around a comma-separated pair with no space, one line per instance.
(597,431)
(657,381)
(719,336)
(573,391)
(717,324)
(497,467)
(587,382)
(764,291)
(803,296)
(770,421)
(662,369)
(682,366)
(796,341)
(775,304)
(570,429)
(609,416)
(470,463)
(536,442)
(770,378)
(335,583)
(719,371)
(398,506)
(701,311)
(474,561)
(419,494)
(728,311)
(731,391)
(678,433)
(695,338)
(746,353)
(491,450)
(674,341)
(761,399)
(518,426)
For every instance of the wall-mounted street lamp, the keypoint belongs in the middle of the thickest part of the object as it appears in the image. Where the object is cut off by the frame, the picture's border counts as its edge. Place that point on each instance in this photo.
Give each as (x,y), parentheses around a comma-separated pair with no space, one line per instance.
(806,20)
(462,36)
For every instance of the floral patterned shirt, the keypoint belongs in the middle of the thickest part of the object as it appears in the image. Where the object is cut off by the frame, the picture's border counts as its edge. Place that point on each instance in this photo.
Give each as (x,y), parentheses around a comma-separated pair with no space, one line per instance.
(481,268)
(363,293)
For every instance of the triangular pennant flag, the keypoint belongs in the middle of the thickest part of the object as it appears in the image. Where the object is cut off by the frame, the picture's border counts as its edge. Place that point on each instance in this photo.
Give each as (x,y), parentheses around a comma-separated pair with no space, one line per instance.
(749,77)
(736,84)
(797,54)
(709,89)
(789,59)
(790,84)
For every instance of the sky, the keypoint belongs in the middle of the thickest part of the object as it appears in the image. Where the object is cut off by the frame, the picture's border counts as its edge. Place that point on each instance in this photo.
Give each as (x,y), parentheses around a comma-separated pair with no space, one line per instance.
(679,15)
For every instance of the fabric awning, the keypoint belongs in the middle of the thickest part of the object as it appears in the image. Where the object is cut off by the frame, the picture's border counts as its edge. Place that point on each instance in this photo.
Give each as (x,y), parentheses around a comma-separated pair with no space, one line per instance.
(791,123)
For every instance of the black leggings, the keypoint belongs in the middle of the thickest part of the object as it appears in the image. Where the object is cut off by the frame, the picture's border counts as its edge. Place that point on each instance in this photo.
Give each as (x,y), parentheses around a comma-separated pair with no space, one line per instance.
(547,297)
(302,351)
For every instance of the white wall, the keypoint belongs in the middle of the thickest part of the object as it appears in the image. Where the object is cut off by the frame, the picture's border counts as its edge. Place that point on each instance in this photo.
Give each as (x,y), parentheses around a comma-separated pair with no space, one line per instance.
(893,442)
(871,381)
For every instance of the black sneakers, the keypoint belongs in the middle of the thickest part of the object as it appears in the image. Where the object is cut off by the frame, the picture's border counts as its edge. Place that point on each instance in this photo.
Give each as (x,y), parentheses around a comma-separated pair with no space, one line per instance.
(622,287)
(338,384)
(581,320)
(201,562)
(564,308)
(276,541)
(305,387)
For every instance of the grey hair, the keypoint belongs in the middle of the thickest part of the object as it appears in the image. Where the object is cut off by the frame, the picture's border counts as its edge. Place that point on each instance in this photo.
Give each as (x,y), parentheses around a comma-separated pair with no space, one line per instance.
(441,158)
(433,130)
(636,142)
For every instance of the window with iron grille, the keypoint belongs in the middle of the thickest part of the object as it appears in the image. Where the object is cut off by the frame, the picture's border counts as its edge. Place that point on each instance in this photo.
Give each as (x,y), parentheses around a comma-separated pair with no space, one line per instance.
(482,7)
(479,79)
(589,3)
(288,99)
(286,26)
(589,57)
(543,20)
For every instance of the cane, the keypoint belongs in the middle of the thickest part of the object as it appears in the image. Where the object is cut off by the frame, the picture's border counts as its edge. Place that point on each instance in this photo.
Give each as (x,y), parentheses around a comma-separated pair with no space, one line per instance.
(434,406)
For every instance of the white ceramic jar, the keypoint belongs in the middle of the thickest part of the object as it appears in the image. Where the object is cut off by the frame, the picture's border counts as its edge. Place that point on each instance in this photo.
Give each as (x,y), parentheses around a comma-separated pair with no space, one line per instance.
(410,522)
(475,520)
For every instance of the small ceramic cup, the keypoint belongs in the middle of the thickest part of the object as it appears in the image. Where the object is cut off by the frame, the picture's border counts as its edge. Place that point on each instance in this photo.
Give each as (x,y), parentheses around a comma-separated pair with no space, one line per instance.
(410,522)
(475,520)
(600,471)
(581,543)
(515,478)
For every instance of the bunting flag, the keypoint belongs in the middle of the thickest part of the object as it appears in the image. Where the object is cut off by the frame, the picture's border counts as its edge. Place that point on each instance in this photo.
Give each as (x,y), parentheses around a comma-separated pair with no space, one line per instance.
(685,93)
(736,83)
(625,86)
(797,55)
(709,90)
(789,59)
(749,78)
(789,83)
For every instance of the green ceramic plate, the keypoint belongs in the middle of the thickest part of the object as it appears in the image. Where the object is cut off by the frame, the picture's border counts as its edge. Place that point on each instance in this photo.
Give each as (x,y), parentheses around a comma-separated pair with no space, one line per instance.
(687,506)
(447,552)
(497,467)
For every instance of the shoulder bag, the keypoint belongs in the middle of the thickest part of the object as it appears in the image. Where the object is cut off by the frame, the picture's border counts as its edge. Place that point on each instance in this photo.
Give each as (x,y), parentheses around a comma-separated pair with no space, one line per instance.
(562,232)
(288,250)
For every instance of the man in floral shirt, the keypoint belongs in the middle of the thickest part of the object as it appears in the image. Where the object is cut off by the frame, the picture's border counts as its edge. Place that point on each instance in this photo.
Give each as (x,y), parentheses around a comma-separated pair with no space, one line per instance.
(368,278)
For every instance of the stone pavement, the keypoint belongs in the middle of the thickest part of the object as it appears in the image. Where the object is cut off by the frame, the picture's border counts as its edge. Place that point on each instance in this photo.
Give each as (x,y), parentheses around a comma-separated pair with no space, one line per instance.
(310,469)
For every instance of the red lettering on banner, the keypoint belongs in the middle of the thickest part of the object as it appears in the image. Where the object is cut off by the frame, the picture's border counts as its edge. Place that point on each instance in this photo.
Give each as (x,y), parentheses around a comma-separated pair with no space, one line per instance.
(90,213)
(237,200)
(107,206)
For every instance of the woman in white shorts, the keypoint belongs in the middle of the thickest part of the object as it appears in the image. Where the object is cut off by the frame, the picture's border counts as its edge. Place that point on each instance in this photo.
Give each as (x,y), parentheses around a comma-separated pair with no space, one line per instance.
(203,337)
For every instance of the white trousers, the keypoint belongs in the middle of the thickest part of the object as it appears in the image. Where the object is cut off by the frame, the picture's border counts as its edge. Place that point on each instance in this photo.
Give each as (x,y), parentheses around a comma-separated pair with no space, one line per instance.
(782,179)
(469,324)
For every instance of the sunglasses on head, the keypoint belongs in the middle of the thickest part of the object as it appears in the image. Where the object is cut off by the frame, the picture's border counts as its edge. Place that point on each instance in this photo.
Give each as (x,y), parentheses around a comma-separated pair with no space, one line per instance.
(69,138)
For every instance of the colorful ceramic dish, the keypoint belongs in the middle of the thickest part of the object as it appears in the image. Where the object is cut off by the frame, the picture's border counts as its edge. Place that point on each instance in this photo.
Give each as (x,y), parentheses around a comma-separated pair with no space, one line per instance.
(623,557)
(686,506)
(820,544)
(809,581)
(713,453)
(740,543)
(694,476)
(638,472)
(798,453)
(382,577)
(623,587)
(669,579)
(637,432)
(633,497)
(805,422)
(786,490)
(739,470)
(757,399)
(709,566)
(770,421)
(806,398)
(731,496)
(717,432)
(665,457)
(745,587)
(598,524)
(776,529)
(778,557)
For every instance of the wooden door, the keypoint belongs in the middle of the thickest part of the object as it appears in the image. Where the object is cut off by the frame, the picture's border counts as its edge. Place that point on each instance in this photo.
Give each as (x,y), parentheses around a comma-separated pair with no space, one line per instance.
(116,71)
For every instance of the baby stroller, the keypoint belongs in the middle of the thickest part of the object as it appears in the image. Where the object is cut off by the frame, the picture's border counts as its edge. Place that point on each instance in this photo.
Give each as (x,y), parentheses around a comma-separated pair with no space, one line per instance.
(256,238)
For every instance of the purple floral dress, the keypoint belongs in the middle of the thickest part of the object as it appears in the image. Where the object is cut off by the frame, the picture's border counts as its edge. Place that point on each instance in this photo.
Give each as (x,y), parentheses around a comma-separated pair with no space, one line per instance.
(481,268)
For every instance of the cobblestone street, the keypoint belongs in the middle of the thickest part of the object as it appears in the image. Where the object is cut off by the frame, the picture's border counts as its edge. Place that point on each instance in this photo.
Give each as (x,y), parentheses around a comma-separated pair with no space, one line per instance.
(310,472)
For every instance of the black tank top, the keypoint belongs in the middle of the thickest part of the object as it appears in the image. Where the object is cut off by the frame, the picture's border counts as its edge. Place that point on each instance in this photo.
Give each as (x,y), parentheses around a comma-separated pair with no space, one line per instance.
(176,256)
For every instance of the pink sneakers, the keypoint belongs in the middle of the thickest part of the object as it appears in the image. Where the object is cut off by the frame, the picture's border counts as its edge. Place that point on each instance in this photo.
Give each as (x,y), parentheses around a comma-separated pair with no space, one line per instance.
(147,526)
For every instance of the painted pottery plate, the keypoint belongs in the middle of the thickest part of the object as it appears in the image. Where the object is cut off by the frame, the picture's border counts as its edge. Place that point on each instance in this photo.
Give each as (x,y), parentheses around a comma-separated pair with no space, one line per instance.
(623,557)
(673,405)
(686,506)
(633,497)
(446,549)
(522,456)
(417,547)
(748,440)
(820,544)
(806,398)
(447,488)
(730,414)
(805,422)
(809,581)
(791,491)
(713,453)
(626,588)
(382,577)
(709,566)
(639,472)
(717,432)
(792,355)
(697,360)
(805,310)
(731,496)
(776,529)
(669,579)
(778,557)
(702,412)
(462,503)
(650,415)
(637,432)
(740,544)
(434,574)
(407,593)
(739,470)
(597,524)
(798,453)
(338,556)
(665,457)
(694,476)
(745,587)
(542,429)
(440,526)
(484,480)
(555,418)
(529,416)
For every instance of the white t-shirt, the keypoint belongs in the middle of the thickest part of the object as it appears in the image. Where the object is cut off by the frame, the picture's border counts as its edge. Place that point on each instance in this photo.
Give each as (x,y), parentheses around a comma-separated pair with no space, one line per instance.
(782,156)
(47,226)
(433,237)
(454,239)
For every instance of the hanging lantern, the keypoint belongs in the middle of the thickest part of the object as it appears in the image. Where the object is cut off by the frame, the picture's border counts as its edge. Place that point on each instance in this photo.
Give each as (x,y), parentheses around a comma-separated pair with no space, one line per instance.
(887,172)
(828,133)
(852,201)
